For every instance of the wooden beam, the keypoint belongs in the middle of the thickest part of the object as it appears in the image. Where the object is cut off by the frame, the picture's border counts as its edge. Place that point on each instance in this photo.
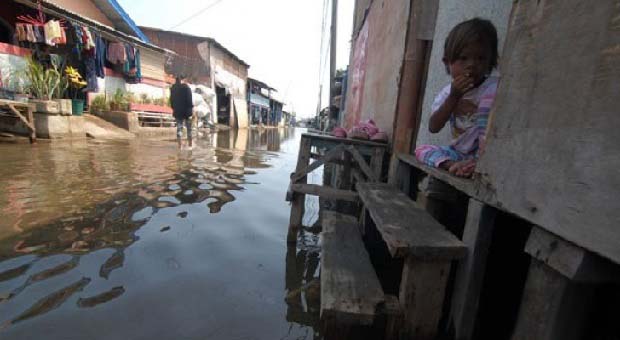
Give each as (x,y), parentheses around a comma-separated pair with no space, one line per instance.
(331,154)
(470,273)
(21,117)
(575,263)
(326,192)
(362,164)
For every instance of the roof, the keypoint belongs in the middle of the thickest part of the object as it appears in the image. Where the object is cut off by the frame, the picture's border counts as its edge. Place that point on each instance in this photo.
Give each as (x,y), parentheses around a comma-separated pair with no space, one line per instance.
(55,10)
(113,10)
(261,84)
(190,36)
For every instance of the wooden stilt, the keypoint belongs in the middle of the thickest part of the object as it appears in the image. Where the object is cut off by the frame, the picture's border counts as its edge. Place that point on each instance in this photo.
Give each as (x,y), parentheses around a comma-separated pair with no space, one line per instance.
(470,273)
(557,296)
(299,199)
(33,129)
(422,292)
(553,306)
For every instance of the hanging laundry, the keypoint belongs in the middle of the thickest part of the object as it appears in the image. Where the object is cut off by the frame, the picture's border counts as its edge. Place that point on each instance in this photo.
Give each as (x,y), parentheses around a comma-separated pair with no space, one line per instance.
(77,37)
(100,55)
(90,74)
(30,34)
(39,34)
(116,53)
(89,42)
(51,29)
(20,29)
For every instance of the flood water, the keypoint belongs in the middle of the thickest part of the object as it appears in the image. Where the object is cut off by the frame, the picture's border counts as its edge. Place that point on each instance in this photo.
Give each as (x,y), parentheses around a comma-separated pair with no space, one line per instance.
(140,240)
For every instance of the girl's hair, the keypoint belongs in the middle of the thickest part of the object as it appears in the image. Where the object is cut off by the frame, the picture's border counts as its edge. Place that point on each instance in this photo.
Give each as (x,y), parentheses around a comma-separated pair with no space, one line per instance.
(471,31)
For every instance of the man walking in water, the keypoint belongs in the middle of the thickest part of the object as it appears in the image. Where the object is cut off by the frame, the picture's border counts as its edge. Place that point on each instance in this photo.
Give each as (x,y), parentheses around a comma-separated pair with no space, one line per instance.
(181,101)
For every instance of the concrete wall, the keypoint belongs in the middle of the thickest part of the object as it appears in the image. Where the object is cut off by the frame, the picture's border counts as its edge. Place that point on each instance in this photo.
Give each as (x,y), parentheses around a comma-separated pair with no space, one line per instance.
(48,126)
(124,120)
(85,8)
(450,13)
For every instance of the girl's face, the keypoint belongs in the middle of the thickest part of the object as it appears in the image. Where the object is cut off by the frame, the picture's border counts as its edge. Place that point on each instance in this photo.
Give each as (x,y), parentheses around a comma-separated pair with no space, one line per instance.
(474,61)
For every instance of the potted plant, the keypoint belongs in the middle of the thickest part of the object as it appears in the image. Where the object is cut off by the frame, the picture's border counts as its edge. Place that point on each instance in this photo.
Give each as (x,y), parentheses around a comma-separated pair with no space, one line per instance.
(76,83)
(43,85)
(99,104)
(120,101)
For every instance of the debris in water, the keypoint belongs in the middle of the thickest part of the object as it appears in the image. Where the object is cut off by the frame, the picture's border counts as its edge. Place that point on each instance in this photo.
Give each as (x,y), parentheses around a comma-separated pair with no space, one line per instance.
(68,236)
(14,272)
(18,247)
(88,230)
(182,214)
(164,229)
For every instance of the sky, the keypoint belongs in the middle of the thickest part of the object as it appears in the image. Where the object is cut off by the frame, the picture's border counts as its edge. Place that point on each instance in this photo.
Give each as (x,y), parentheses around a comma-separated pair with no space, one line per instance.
(280,39)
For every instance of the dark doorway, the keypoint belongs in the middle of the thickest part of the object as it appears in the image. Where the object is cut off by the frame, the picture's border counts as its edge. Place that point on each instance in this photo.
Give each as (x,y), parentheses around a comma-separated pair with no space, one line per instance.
(6,32)
(223,105)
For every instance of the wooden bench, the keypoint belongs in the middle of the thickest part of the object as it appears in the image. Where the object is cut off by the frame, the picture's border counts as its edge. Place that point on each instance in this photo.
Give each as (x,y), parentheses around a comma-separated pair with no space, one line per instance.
(427,249)
(20,111)
(351,294)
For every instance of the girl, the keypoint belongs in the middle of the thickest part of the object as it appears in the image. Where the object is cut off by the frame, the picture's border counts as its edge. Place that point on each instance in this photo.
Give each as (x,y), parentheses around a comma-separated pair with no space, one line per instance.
(470,56)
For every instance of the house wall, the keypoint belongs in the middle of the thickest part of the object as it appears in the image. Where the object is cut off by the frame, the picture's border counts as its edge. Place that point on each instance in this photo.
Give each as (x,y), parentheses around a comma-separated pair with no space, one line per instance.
(233,75)
(85,8)
(374,80)
(450,13)
(553,147)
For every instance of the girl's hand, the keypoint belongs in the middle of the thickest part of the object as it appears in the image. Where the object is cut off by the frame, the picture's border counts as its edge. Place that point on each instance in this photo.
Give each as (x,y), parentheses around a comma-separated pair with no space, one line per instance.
(465,108)
(460,85)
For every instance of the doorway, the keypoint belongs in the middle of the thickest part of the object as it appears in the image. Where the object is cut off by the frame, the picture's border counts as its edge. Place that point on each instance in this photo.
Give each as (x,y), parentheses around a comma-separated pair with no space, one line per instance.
(223,105)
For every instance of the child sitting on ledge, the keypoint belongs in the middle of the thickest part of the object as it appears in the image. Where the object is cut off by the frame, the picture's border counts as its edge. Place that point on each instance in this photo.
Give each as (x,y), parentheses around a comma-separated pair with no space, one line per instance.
(470,56)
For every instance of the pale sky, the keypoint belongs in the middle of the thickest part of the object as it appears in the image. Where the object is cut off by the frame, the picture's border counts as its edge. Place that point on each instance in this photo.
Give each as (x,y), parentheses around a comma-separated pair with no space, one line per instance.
(280,39)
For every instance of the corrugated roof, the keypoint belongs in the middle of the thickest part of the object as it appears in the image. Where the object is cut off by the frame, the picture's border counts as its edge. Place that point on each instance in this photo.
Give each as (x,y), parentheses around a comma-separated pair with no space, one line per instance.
(261,84)
(55,10)
(210,40)
(122,21)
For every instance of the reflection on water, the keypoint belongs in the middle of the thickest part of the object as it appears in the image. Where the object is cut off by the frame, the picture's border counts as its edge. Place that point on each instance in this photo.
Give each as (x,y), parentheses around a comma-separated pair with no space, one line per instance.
(136,234)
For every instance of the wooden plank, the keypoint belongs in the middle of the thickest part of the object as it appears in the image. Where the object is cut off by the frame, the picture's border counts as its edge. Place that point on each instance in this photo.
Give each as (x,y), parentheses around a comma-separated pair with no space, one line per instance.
(470,274)
(350,290)
(575,263)
(346,141)
(406,228)
(471,187)
(362,164)
(299,200)
(331,154)
(553,307)
(422,292)
(553,158)
(326,192)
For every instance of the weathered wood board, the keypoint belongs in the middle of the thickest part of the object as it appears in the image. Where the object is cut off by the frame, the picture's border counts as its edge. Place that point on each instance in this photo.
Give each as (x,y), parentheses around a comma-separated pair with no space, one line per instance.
(553,148)
(406,228)
(350,290)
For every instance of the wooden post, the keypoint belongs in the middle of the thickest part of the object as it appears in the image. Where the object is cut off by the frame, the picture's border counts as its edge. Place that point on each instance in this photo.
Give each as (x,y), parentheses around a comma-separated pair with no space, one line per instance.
(558,290)
(422,291)
(400,175)
(553,306)
(376,162)
(33,128)
(299,199)
(470,273)
(393,314)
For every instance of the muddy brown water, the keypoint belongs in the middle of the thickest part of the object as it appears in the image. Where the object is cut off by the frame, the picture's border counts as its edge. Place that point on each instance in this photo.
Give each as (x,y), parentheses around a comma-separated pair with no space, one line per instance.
(140,240)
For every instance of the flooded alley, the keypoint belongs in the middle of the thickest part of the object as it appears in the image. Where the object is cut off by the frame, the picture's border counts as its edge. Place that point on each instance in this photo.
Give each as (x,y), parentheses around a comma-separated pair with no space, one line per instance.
(137,239)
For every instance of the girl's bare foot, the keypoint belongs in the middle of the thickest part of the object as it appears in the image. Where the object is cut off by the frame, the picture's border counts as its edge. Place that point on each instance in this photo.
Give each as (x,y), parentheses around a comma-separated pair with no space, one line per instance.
(463,168)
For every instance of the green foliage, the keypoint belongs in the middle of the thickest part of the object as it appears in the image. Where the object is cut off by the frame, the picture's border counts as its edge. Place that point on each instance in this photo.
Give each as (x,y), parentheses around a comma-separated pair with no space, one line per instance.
(120,100)
(144,99)
(45,84)
(99,104)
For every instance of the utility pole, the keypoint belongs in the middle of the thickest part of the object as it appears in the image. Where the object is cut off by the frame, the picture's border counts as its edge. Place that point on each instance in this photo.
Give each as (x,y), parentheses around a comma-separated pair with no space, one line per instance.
(332,60)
